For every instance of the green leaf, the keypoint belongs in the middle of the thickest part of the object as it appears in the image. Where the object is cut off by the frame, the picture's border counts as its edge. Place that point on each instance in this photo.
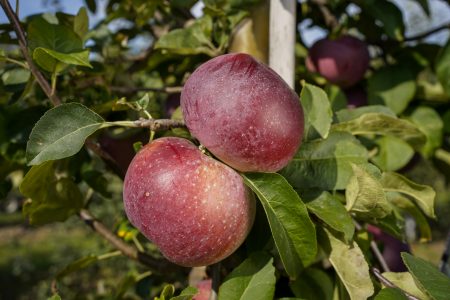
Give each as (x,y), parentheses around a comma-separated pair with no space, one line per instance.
(186,294)
(427,277)
(194,39)
(52,199)
(347,114)
(53,61)
(430,123)
(424,195)
(59,38)
(407,205)
(317,108)
(390,294)
(365,195)
(393,153)
(393,86)
(313,284)
(442,67)
(325,164)
(405,281)
(61,132)
(292,229)
(55,297)
(388,14)
(376,123)
(92,5)
(81,23)
(331,211)
(337,98)
(77,265)
(252,279)
(167,292)
(349,263)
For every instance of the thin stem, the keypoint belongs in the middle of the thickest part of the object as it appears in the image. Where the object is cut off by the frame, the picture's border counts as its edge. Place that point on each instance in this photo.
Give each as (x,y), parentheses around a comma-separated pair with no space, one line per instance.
(14,20)
(54,79)
(17,7)
(427,33)
(11,60)
(386,282)
(131,90)
(158,265)
(329,18)
(138,244)
(152,124)
(375,251)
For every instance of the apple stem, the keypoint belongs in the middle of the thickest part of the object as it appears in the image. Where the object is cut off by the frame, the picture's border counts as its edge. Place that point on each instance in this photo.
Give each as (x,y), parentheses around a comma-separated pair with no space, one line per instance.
(215,276)
(386,282)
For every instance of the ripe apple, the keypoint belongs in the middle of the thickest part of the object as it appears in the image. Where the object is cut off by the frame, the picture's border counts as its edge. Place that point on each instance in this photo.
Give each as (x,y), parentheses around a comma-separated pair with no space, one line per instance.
(204,288)
(195,209)
(342,61)
(356,97)
(243,112)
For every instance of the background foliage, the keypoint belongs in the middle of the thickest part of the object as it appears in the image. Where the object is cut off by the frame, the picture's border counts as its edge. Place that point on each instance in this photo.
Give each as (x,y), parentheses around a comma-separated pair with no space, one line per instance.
(383,164)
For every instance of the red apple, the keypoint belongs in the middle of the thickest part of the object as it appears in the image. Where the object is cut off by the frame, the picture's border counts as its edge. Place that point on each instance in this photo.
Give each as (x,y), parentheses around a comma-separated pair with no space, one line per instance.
(243,112)
(356,97)
(204,290)
(342,61)
(195,209)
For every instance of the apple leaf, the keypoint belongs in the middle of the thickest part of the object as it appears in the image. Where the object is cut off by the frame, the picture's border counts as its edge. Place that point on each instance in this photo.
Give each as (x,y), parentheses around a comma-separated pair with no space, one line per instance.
(54,61)
(331,211)
(317,109)
(365,195)
(77,265)
(346,114)
(393,153)
(186,294)
(292,229)
(313,284)
(325,163)
(390,294)
(195,39)
(388,14)
(381,124)
(442,67)
(423,194)
(252,279)
(349,263)
(430,123)
(61,132)
(405,281)
(393,86)
(81,23)
(427,277)
(52,199)
(405,203)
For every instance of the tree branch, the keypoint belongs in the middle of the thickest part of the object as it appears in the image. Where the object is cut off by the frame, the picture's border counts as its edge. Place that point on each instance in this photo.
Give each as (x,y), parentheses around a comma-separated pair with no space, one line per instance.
(161,266)
(159,124)
(427,33)
(386,282)
(14,20)
(131,90)
(329,18)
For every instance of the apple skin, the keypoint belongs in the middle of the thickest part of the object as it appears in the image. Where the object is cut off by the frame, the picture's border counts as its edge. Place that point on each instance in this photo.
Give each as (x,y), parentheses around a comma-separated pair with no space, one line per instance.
(243,113)
(342,61)
(195,209)
(204,290)
(356,97)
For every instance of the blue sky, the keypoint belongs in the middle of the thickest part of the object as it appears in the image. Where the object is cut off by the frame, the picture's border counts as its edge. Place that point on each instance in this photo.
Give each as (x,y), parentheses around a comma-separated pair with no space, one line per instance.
(416,21)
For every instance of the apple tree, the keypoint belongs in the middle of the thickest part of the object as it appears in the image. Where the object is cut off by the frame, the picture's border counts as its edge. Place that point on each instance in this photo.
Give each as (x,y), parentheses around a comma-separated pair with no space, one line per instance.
(232,185)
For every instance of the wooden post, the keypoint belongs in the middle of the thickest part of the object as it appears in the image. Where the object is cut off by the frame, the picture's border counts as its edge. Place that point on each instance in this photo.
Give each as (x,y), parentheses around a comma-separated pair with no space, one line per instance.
(282,31)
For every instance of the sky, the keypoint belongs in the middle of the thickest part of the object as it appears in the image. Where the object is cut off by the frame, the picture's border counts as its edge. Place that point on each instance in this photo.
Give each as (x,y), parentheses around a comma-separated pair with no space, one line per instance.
(415,20)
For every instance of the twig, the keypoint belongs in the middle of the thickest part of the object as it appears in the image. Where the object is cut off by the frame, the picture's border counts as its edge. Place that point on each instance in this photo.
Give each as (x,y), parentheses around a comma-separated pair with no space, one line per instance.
(157,265)
(386,282)
(329,18)
(131,90)
(159,124)
(375,251)
(427,33)
(14,20)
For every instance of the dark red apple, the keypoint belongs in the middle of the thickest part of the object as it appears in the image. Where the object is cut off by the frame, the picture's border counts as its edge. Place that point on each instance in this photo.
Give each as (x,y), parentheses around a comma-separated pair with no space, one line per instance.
(356,97)
(243,112)
(195,209)
(342,61)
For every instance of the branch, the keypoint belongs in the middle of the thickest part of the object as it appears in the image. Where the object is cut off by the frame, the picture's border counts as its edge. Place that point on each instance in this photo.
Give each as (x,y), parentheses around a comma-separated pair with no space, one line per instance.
(386,282)
(131,90)
(329,18)
(159,124)
(14,20)
(158,265)
(427,33)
